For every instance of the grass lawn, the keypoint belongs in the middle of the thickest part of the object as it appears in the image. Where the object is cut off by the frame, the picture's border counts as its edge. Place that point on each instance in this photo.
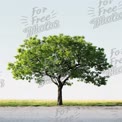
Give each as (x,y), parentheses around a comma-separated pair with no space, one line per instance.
(66,103)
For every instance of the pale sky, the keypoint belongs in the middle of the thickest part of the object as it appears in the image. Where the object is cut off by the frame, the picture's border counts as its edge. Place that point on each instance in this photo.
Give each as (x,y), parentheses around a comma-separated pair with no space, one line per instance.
(76,17)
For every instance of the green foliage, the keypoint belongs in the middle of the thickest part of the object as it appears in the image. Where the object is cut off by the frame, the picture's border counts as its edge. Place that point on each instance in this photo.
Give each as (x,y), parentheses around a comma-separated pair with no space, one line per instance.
(61,58)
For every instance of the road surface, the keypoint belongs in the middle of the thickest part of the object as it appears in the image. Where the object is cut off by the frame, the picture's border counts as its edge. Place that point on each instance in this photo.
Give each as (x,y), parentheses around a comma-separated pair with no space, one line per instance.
(61,114)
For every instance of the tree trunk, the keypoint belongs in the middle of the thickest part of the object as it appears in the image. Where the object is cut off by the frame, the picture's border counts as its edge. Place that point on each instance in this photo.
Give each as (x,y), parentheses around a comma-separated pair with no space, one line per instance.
(59,100)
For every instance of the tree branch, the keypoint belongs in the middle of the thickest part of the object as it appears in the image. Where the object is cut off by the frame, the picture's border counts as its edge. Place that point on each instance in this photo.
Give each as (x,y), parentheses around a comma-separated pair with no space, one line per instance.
(54,81)
(66,79)
(51,78)
(59,81)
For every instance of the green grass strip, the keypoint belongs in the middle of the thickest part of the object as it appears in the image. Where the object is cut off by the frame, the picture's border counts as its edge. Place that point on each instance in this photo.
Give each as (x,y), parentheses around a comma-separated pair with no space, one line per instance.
(15,103)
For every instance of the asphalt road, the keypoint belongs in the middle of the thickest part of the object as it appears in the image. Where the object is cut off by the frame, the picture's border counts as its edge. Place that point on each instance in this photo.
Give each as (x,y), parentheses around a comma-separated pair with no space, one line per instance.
(61,114)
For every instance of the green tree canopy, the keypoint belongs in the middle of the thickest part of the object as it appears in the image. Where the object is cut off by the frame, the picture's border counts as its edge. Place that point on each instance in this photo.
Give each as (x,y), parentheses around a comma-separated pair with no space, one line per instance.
(60,57)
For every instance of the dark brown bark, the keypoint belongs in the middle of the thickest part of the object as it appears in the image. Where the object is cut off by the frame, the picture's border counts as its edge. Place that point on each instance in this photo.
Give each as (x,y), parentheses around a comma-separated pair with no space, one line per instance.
(59,100)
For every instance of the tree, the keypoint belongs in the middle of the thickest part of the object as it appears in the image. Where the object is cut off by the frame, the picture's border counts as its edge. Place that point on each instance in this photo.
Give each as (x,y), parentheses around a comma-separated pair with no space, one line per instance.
(61,58)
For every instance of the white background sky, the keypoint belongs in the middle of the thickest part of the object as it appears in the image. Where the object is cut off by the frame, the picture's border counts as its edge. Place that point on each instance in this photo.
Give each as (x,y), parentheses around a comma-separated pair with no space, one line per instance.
(74,20)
